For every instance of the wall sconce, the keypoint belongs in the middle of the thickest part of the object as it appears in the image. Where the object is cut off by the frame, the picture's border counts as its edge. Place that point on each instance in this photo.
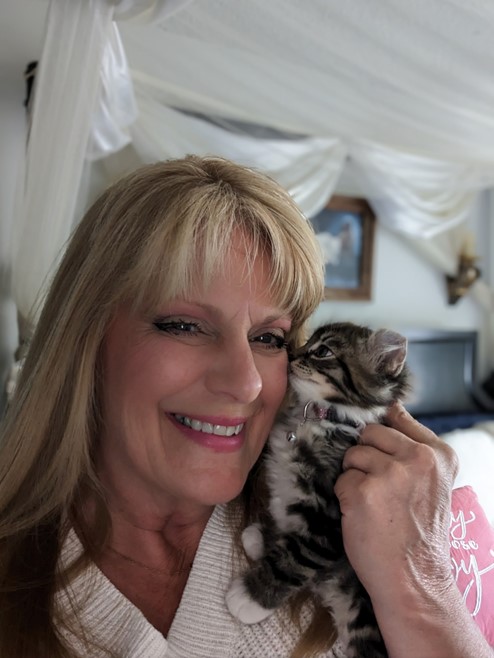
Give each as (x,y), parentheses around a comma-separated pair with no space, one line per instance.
(467,272)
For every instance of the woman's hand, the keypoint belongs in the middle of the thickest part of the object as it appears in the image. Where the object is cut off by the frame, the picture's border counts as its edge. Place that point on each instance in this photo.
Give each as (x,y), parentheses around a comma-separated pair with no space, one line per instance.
(395,499)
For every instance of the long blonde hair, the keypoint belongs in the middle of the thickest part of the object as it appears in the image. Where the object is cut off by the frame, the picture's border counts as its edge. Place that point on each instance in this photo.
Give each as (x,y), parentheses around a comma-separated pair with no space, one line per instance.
(141,242)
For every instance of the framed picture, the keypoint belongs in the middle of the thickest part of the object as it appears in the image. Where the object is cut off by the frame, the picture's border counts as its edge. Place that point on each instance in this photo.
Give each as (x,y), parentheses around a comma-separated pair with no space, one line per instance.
(345,230)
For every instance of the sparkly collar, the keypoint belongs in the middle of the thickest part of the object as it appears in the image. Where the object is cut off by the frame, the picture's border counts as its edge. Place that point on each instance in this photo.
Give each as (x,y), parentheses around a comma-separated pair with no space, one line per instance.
(314,412)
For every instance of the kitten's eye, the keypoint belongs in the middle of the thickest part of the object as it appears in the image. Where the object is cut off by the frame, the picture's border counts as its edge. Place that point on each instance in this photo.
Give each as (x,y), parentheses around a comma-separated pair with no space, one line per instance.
(322,352)
(178,327)
(271,341)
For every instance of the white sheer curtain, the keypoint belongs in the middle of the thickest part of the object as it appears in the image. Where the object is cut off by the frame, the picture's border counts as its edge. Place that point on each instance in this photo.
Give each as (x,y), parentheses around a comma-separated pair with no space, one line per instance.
(83,104)
(66,87)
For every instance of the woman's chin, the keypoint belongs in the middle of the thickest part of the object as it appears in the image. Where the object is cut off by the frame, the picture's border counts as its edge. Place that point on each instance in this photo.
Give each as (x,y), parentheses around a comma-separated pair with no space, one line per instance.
(220,490)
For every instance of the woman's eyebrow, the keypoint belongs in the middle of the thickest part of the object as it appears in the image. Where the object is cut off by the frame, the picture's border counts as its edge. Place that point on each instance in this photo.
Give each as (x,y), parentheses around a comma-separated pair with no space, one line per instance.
(274,315)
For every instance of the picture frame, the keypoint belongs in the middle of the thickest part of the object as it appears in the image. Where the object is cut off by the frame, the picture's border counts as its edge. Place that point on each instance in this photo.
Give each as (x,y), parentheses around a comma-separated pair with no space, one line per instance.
(345,229)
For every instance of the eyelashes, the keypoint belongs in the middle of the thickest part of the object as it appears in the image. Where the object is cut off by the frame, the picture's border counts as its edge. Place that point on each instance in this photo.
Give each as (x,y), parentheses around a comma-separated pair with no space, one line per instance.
(178,327)
(274,341)
(268,340)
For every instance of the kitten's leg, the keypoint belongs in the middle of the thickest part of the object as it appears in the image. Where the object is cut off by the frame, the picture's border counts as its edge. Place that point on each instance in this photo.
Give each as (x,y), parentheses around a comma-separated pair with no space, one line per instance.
(265,586)
(354,617)
(241,604)
(253,541)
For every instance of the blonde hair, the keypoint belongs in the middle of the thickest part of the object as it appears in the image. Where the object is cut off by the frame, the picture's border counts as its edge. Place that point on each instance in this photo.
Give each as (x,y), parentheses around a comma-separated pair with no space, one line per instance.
(145,240)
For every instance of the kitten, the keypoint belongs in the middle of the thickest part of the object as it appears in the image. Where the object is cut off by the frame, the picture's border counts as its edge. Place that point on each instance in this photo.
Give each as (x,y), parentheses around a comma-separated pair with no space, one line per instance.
(344,377)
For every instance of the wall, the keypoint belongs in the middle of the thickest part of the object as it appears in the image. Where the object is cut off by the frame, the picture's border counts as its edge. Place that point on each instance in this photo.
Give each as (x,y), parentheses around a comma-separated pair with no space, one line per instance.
(21,39)
(407,292)
(12,138)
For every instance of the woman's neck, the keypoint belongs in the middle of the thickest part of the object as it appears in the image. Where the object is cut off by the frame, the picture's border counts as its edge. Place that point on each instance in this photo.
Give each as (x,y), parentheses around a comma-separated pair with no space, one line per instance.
(162,536)
(149,551)
(168,543)
(151,566)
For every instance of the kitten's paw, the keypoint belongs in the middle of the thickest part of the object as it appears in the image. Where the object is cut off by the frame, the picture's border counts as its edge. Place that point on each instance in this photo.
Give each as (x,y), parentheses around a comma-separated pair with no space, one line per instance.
(253,541)
(242,606)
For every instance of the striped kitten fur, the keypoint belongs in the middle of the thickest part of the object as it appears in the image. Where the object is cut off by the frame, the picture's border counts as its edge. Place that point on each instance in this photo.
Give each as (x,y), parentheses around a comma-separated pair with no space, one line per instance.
(343,378)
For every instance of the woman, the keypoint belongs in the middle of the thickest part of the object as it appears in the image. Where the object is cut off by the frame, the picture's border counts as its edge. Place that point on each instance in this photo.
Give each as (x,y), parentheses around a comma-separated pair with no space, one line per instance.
(128,462)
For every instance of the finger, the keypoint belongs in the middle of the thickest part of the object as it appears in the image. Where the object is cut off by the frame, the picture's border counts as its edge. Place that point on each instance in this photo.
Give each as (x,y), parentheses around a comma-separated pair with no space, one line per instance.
(401,433)
(385,439)
(347,484)
(400,420)
(366,459)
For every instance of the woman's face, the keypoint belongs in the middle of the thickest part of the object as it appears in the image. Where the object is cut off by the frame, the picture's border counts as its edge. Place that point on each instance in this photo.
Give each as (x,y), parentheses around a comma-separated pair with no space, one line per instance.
(191,392)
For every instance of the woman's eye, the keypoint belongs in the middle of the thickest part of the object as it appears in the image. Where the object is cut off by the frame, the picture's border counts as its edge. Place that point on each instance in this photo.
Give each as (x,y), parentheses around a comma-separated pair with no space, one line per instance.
(178,327)
(271,341)
(322,352)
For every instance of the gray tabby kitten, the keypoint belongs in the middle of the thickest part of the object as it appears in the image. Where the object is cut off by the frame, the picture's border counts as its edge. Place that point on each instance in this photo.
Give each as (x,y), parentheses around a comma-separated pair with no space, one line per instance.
(344,377)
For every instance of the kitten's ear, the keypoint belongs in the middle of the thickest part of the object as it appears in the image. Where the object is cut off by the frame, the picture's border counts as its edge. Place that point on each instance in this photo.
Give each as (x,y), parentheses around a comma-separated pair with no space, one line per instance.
(391,349)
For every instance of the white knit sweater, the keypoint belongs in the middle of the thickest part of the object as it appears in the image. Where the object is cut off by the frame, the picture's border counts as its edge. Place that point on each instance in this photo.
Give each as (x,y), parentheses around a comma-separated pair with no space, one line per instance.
(202,627)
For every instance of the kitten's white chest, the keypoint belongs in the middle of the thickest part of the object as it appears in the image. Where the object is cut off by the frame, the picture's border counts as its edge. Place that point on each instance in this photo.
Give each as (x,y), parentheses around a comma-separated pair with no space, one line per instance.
(283,473)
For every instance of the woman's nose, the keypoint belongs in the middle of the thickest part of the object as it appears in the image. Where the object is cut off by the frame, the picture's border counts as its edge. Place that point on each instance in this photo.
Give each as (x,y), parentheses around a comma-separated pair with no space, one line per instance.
(235,374)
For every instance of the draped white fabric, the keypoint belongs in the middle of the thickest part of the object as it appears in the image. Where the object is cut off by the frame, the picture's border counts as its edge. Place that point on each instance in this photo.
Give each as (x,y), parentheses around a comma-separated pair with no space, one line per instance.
(308,167)
(115,109)
(147,11)
(417,195)
(401,73)
(83,103)
(65,92)
(401,91)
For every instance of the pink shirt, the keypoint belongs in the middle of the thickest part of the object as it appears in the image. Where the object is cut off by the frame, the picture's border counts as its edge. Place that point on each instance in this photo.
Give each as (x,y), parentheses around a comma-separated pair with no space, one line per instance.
(472,557)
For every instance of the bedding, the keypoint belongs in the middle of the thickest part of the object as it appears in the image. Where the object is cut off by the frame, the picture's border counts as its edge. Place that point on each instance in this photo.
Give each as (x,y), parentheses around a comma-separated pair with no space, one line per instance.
(443,423)
(447,399)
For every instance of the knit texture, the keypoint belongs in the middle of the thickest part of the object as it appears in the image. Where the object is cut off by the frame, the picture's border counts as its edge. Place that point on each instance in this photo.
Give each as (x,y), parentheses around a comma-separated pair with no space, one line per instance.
(202,628)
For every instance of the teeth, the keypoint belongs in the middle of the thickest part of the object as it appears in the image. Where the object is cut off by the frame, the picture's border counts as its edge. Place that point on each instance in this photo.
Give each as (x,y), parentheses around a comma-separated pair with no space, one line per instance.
(208,428)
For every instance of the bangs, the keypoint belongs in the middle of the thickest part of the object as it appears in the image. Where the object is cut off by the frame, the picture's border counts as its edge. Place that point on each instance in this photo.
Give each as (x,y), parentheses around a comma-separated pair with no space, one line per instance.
(179,249)
(175,266)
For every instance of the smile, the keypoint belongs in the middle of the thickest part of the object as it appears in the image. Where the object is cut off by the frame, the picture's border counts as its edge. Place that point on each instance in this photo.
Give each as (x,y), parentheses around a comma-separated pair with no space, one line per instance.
(208,428)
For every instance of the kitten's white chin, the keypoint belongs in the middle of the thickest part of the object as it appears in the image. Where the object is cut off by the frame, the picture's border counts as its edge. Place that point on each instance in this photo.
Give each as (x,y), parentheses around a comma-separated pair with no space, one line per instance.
(242,607)
(302,387)
(310,390)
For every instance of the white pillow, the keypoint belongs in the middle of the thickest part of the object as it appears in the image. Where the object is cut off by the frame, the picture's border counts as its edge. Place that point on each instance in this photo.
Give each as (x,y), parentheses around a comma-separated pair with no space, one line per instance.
(475,450)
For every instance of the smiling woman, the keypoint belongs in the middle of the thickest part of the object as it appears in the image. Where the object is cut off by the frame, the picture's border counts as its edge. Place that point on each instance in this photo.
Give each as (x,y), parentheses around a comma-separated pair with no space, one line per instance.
(153,378)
